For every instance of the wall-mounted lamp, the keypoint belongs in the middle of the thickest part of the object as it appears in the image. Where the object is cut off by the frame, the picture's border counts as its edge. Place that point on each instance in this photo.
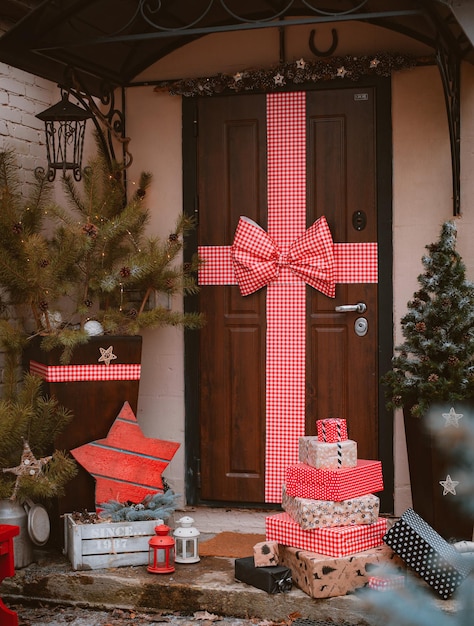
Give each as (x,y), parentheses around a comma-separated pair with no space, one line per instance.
(65,125)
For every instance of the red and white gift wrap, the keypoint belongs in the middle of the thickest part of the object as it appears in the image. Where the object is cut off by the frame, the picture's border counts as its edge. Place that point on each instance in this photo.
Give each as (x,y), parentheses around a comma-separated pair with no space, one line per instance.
(312,514)
(86,372)
(327,455)
(304,481)
(331,430)
(386,583)
(335,541)
(286,293)
(323,576)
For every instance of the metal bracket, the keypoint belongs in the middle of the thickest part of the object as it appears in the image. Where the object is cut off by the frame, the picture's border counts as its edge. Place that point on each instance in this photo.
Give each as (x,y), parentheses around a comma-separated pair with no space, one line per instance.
(449,66)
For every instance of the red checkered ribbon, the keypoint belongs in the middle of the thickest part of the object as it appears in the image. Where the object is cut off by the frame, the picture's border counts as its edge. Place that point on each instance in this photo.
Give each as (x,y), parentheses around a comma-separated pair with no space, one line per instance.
(92,372)
(258,259)
(286,293)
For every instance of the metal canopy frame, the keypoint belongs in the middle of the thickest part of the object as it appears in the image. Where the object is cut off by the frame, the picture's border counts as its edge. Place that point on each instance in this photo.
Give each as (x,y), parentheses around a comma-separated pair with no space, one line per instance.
(95,46)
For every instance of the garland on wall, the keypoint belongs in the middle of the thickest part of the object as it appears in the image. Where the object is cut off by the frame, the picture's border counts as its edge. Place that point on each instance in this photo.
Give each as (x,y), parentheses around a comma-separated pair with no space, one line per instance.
(295,73)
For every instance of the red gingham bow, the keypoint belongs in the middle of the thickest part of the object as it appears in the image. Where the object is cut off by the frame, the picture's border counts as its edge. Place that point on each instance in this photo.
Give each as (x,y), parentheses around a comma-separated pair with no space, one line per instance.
(257,259)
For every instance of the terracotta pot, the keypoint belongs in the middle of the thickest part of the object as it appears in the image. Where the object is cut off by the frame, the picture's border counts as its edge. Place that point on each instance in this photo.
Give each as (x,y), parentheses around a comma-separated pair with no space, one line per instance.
(428,465)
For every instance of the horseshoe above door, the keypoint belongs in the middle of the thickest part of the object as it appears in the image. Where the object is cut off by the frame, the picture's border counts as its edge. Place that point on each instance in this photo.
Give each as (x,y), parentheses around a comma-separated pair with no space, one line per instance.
(323,53)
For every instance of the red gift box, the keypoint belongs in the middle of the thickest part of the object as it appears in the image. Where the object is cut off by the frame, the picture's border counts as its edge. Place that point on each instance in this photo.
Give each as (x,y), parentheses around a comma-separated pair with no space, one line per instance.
(332,430)
(334,541)
(304,481)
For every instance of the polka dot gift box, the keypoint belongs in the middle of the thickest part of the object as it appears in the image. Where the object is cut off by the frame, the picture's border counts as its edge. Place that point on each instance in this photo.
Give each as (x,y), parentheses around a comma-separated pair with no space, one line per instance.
(304,481)
(426,552)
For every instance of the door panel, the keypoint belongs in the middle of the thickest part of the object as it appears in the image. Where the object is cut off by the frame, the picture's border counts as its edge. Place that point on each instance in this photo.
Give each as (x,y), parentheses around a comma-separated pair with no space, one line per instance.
(231,174)
(341,368)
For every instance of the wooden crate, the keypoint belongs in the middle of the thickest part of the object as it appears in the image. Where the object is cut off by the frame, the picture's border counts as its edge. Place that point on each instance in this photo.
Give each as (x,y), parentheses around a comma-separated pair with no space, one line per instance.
(108,544)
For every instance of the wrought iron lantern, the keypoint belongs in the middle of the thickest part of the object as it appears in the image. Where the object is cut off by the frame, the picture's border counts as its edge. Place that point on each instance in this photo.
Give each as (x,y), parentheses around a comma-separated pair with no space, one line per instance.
(161,551)
(65,125)
(186,541)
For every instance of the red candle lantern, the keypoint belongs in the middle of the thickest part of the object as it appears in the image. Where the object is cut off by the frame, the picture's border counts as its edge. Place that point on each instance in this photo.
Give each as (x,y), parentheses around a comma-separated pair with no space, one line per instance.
(161,551)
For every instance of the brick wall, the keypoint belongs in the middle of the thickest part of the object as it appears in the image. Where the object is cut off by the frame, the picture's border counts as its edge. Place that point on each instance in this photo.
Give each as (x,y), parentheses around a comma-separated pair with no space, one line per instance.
(22,97)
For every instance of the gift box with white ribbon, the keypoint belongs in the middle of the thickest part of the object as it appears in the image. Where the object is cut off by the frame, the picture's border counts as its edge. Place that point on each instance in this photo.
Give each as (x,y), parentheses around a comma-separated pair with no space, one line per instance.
(335,541)
(304,481)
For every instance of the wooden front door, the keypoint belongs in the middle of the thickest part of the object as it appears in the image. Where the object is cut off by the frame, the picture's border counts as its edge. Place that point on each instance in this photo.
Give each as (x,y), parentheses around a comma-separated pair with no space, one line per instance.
(341,377)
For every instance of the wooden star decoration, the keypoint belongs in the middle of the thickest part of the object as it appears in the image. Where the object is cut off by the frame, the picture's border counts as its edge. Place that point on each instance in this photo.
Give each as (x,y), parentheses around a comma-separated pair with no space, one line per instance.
(126,465)
(449,485)
(29,466)
(107,355)
(452,418)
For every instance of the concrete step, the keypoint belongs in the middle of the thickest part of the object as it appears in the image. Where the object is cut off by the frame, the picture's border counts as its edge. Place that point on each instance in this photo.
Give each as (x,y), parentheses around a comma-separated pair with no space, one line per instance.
(205,586)
(208,585)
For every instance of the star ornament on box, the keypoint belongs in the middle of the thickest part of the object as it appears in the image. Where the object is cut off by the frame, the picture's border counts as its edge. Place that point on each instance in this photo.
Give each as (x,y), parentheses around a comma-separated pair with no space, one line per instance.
(107,355)
(126,465)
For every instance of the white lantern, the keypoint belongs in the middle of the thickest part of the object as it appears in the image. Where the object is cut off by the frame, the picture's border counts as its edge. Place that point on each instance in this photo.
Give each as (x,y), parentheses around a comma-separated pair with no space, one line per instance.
(186,541)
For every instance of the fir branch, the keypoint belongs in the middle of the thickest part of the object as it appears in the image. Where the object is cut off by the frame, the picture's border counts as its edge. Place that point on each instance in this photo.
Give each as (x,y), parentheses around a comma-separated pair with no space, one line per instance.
(153,506)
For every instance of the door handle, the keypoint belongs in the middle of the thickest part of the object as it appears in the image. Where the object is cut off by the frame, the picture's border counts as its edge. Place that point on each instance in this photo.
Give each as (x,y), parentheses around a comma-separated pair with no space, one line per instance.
(360,307)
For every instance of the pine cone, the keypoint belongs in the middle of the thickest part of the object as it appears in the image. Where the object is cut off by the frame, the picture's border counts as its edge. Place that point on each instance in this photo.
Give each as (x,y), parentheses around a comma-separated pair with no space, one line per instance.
(90,229)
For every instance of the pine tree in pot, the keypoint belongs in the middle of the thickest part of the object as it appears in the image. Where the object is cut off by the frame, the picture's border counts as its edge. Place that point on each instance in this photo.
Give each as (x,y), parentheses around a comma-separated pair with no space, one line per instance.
(78,284)
(434,367)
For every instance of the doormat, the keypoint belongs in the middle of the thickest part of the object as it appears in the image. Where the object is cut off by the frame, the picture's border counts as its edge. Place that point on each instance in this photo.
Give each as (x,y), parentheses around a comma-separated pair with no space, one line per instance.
(231,545)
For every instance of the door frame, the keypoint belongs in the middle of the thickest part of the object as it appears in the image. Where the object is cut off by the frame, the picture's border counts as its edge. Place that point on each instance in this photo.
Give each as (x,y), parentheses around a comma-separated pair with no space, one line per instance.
(384,157)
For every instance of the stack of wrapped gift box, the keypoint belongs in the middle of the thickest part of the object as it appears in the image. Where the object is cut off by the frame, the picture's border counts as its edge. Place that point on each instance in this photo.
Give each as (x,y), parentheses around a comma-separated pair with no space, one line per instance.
(330,534)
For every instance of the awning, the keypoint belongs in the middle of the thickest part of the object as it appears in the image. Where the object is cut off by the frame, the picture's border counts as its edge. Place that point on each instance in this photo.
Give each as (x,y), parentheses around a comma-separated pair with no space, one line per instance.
(113,41)
(108,43)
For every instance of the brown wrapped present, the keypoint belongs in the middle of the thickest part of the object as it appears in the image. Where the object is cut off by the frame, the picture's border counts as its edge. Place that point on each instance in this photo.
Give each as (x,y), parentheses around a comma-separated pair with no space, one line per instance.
(265,553)
(326,577)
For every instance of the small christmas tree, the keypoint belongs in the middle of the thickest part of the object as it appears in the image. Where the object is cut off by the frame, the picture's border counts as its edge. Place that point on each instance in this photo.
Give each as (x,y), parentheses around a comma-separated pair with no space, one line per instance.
(435,363)
(29,423)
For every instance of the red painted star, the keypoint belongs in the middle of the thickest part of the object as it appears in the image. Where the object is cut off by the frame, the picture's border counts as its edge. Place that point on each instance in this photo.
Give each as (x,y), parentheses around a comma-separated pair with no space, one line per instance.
(127,466)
